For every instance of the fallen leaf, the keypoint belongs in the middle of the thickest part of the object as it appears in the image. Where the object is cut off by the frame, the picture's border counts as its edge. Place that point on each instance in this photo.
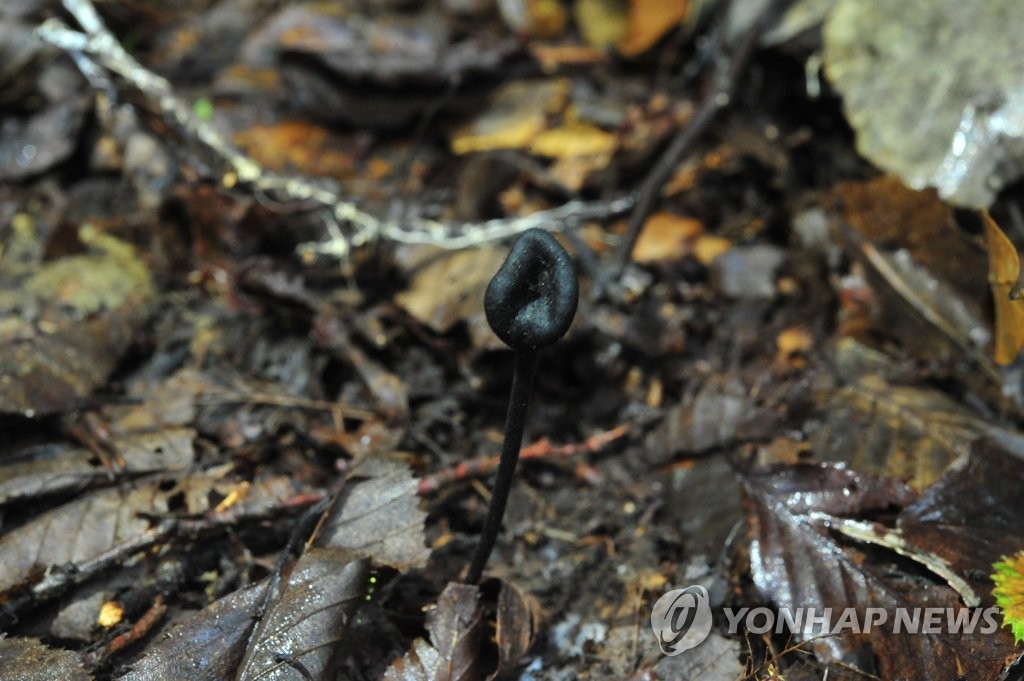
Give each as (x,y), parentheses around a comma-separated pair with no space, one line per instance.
(28,659)
(796,562)
(519,626)
(517,113)
(455,625)
(1003,278)
(377,515)
(603,23)
(50,469)
(90,307)
(306,619)
(208,645)
(649,20)
(914,434)
(666,236)
(450,289)
(298,145)
(573,139)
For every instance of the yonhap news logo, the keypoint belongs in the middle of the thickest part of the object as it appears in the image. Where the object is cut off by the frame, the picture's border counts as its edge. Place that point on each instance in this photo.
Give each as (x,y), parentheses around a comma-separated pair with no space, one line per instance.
(681,619)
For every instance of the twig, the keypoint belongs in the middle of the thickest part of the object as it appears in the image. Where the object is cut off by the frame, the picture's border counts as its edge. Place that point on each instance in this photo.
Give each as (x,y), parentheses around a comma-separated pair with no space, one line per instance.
(542,449)
(95,44)
(725,79)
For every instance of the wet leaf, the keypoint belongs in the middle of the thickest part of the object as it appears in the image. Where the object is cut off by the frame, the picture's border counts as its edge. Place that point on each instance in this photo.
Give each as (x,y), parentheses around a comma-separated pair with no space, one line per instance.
(797,562)
(1003,278)
(209,645)
(972,516)
(377,515)
(307,618)
(27,659)
(455,625)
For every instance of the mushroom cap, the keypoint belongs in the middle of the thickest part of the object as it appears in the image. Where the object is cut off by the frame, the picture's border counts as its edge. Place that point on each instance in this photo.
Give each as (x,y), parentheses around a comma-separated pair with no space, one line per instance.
(531,301)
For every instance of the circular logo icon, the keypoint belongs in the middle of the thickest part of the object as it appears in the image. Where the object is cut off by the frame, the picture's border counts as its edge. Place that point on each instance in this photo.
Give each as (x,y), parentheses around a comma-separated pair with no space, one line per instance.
(681,619)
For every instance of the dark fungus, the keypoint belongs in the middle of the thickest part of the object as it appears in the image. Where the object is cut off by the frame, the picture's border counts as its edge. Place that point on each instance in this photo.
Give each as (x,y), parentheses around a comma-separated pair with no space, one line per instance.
(530,303)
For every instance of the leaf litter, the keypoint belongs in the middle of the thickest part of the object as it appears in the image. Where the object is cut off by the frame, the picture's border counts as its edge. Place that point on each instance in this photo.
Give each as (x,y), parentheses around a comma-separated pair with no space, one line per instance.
(264,460)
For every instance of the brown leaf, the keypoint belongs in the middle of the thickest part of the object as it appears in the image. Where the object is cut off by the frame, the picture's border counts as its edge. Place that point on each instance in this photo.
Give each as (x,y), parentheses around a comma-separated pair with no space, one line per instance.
(649,20)
(455,625)
(1003,279)
(108,525)
(91,306)
(914,434)
(307,618)
(209,645)
(27,659)
(50,469)
(517,114)
(973,516)
(377,515)
(796,562)
(519,623)
(450,289)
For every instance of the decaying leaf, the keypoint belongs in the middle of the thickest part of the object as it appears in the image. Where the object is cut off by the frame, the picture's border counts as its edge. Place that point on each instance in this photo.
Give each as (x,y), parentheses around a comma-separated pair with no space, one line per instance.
(1003,278)
(306,619)
(519,623)
(797,562)
(27,659)
(50,469)
(105,526)
(451,288)
(209,645)
(709,419)
(455,625)
(90,307)
(914,434)
(377,515)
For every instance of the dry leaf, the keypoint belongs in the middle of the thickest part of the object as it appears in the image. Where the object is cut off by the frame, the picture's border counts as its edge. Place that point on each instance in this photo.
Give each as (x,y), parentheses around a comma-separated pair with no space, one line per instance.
(517,113)
(451,288)
(649,20)
(1003,277)
(666,237)
(378,516)
(603,23)
(573,139)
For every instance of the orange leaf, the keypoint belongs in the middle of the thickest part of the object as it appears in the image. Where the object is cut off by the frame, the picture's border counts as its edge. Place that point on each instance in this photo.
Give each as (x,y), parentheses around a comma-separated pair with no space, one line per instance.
(649,20)
(1003,274)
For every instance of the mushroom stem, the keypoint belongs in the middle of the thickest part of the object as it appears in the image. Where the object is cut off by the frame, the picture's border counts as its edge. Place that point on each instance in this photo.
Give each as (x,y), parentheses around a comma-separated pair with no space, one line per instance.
(515,421)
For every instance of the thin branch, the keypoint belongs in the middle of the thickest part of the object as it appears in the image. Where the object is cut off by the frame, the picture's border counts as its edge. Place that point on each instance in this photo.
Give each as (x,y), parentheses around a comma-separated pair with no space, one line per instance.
(727,74)
(95,45)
